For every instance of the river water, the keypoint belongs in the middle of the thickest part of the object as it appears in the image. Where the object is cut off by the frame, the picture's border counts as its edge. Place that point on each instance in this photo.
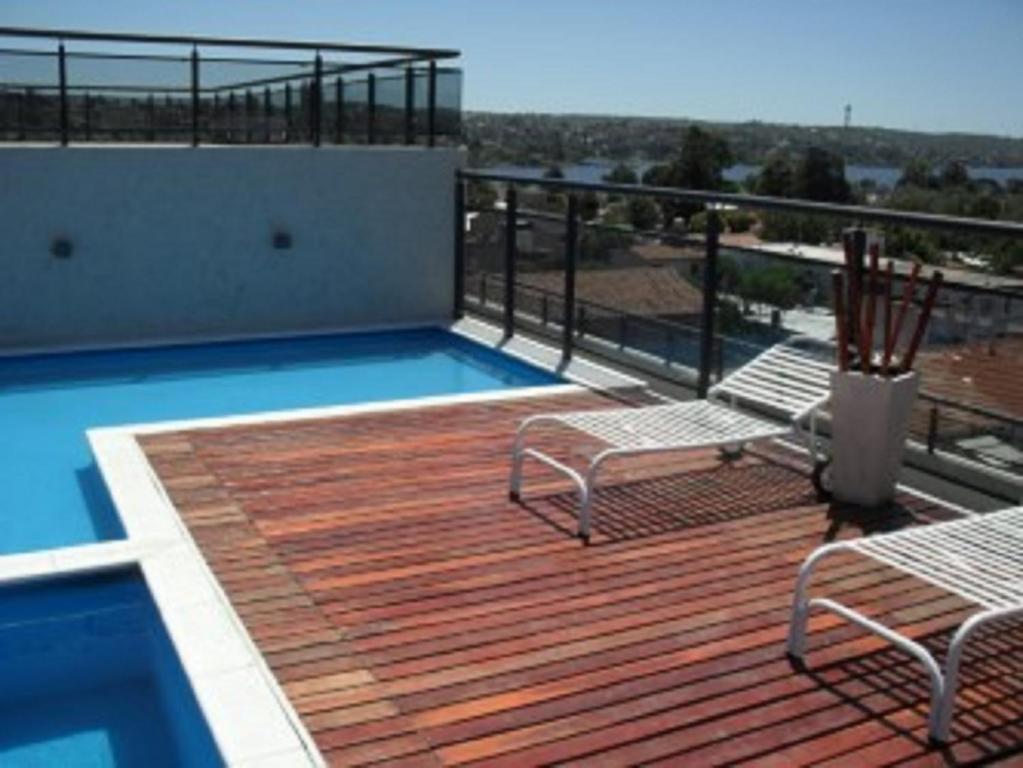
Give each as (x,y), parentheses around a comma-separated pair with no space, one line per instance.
(885,176)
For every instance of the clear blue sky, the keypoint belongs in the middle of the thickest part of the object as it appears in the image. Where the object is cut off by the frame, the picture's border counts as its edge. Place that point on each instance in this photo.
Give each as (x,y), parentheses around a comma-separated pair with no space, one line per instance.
(934,65)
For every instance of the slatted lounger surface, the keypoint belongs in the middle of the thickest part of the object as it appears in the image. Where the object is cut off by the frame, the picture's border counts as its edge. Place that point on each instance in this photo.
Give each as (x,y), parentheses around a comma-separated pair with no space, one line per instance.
(979,558)
(787,380)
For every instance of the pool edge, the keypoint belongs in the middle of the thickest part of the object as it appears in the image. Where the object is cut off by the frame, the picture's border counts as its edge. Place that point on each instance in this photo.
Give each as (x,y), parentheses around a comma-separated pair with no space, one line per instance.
(248,713)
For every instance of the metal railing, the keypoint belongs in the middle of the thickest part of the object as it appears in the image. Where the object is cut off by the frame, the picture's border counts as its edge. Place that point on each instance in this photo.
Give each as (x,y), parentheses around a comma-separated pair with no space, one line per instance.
(943,420)
(64,85)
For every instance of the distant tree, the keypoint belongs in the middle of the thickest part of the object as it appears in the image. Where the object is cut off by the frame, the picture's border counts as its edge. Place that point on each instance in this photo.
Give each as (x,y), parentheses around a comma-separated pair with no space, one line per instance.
(955,174)
(643,214)
(698,222)
(702,160)
(699,164)
(739,221)
(985,207)
(776,286)
(617,214)
(820,176)
(777,177)
(729,274)
(917,173)
(1008,258)
(658,175)
(914,244)
(621,174)
(777,226)
(554,172)
(599,244)
(589,206)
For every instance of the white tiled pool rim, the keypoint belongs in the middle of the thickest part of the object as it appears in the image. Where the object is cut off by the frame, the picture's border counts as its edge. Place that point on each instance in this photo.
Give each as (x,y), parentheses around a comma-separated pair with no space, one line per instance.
(249,716)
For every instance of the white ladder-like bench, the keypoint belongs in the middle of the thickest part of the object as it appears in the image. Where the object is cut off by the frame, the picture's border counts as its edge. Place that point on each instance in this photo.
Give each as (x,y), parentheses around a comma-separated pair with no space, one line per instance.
(979,558)
(786,380)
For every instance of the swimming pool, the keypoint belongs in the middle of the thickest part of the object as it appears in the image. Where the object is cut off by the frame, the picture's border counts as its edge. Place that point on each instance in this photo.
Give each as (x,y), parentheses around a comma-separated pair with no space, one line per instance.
(91,678)
(51,493)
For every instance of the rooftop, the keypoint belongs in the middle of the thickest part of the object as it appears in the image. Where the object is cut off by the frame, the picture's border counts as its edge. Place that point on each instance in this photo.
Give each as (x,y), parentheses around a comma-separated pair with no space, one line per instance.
(416,617)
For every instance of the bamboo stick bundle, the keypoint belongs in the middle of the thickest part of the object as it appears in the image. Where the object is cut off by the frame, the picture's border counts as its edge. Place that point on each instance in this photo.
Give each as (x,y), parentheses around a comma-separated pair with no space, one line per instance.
(856,315)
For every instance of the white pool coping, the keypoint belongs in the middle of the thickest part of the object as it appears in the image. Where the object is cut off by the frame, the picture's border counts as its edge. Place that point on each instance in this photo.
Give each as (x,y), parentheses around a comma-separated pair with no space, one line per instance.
(249,715)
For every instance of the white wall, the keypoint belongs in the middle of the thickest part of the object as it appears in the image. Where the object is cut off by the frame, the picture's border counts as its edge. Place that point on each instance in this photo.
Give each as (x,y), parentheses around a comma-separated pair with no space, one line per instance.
(171,242)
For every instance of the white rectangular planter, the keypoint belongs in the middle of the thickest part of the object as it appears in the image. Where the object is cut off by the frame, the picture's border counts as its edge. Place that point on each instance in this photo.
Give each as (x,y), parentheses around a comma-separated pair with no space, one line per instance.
(870,423)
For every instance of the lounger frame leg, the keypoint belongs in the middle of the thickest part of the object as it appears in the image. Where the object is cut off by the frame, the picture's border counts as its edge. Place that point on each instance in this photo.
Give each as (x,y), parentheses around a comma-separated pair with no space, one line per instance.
(519,454)
(941,725)
(589,487)
(796,645)
(943,686)
(585,485)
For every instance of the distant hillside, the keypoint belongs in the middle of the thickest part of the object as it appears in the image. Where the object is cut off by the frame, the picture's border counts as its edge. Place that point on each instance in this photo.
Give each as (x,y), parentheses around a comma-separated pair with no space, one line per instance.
(544,138)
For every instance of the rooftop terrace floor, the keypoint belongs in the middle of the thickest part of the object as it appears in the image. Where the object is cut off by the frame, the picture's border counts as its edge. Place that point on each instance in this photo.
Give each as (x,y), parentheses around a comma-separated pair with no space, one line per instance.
(415,616)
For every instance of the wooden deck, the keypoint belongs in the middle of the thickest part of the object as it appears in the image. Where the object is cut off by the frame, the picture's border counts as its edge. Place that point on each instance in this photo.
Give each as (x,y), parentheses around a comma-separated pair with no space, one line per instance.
(416,617)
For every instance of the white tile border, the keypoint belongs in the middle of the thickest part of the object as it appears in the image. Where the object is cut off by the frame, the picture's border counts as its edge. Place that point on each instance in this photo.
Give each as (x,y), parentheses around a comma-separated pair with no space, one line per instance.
(249,715)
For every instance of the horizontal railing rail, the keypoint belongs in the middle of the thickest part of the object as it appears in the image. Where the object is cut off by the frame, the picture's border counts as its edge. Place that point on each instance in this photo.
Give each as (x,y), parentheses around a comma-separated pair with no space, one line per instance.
(340,93)
(625,319)
(944,420)
(225,42)
(857,213)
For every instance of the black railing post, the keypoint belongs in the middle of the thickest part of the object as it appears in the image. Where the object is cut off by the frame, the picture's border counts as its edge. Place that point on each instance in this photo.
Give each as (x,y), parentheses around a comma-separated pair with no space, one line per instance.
(250,114)
(410,105)
(62,77)
(23,115)
(339,114)
(232,117)
(371,108)
(287,113)
(571,238)
(316,100)
(510,224)
(195,96)
(151,118)
(267,114)
(459,308)
(932,429)
(544,309)
(87,107)
(710,296)
(431,105)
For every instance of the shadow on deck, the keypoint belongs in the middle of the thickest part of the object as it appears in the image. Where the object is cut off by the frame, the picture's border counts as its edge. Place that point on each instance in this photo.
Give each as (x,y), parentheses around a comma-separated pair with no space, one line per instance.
(416,616)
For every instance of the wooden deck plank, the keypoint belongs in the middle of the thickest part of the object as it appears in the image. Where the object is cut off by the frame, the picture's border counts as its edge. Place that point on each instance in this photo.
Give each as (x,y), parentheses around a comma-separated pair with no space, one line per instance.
(415,616)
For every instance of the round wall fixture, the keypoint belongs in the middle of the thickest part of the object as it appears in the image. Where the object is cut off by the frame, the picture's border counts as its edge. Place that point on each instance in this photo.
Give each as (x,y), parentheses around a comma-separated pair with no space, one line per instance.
(61,248)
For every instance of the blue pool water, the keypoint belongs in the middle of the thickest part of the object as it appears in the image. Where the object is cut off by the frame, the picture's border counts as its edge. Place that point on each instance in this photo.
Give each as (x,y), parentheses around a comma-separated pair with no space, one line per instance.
(90,678)
(50,491)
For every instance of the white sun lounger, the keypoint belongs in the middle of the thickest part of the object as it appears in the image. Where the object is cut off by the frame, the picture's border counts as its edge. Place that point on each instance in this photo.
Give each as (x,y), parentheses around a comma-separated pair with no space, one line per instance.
(786,381)
(979,558)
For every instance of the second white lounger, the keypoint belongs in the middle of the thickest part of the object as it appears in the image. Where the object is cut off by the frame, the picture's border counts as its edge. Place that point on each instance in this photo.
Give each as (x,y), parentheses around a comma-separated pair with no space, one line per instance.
(786,380)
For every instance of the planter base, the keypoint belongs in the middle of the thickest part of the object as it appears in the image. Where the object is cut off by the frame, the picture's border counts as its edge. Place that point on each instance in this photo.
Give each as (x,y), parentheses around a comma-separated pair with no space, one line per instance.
(870,423)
